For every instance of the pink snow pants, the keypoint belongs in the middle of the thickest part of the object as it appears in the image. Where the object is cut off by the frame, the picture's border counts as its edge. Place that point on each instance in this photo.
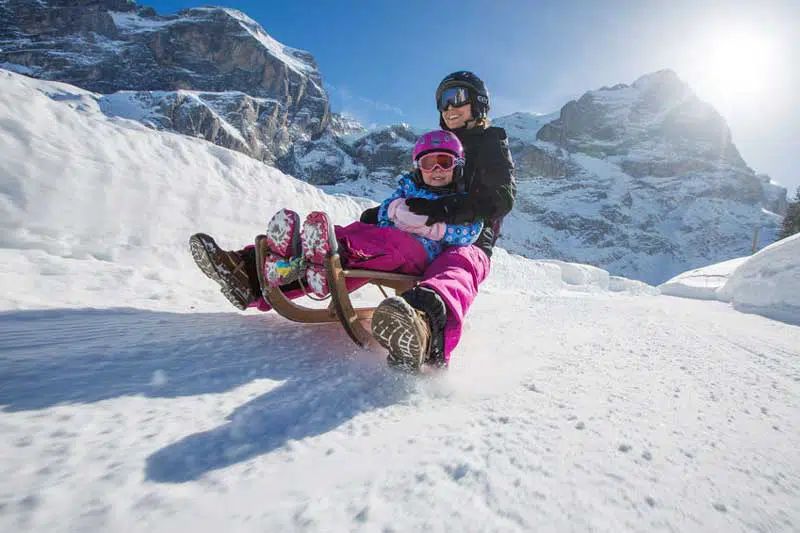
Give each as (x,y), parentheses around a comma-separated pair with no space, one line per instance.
(369,247)
(455,275)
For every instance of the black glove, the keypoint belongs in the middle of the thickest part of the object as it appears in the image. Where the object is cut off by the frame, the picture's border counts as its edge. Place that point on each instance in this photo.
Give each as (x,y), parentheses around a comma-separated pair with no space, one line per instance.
(370,216)
(436,210)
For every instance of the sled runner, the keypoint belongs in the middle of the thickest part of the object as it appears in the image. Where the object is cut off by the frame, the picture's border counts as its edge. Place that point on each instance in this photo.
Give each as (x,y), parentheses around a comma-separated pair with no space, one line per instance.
(340,308)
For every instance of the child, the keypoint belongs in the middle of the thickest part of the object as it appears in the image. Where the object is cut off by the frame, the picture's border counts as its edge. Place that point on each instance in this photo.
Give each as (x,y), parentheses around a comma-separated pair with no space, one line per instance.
(400,242)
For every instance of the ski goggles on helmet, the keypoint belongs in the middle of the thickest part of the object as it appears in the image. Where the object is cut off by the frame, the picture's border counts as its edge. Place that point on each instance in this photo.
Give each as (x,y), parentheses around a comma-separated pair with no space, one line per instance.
(443,160)
(453,96)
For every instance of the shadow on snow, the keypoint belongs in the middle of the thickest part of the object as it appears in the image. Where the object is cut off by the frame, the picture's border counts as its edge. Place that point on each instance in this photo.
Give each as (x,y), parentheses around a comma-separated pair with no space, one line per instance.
(84,356)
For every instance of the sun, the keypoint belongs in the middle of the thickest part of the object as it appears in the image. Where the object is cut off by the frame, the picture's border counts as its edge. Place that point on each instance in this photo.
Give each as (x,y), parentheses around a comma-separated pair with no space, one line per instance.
(737,63)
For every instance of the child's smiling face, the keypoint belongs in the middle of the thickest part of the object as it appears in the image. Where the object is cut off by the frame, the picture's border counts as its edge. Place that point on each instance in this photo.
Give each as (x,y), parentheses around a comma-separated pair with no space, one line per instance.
(437,168)
(437,177)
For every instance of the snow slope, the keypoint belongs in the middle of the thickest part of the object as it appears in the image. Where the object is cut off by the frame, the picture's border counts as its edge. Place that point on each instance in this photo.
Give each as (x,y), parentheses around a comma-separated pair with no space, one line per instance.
(134,398)
(85,193)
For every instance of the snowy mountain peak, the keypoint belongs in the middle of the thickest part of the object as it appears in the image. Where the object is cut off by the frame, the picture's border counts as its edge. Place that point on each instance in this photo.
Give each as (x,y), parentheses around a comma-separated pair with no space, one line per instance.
(657,109)
(661,78)
(296,59)
(258,95)
(641,179)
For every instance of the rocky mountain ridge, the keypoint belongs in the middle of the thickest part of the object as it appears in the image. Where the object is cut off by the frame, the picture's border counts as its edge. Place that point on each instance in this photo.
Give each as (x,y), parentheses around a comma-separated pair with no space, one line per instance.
(643,179)
(206,72)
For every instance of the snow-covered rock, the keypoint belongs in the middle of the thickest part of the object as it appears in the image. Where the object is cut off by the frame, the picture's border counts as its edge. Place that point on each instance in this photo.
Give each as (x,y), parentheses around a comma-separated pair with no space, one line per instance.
(205,72)
(325,160)
(774,195)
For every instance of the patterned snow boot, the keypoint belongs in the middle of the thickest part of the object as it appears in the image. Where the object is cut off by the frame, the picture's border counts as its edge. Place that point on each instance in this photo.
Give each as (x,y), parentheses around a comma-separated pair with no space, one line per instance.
(230,269)
(411,327)
(403,331)
(318,241)
(283,263)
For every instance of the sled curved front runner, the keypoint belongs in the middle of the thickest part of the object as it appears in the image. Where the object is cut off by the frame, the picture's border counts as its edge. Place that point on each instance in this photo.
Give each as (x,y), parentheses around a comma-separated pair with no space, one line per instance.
(341,308)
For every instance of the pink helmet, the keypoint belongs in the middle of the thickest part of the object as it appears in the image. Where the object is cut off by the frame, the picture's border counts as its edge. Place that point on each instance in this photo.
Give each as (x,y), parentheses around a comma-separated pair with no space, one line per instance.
(438,141)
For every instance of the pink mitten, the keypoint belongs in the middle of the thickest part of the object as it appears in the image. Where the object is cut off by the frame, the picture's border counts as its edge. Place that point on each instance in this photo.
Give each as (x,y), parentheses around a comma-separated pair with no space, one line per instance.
(434,232)
(401,216)
(405,220)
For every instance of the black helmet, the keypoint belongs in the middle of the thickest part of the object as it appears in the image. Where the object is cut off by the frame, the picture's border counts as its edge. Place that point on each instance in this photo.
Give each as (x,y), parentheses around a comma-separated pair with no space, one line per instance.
(479,95)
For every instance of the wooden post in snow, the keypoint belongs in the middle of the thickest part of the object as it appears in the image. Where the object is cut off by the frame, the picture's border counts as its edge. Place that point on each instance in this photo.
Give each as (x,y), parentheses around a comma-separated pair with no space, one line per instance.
(755,238)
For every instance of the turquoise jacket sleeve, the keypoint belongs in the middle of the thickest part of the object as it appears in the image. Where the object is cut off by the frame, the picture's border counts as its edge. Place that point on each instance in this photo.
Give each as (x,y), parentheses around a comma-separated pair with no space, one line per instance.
(400,192)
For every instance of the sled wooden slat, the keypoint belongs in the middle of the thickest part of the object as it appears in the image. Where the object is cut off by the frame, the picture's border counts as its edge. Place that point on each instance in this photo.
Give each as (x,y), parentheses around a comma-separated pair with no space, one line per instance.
(378,275)
(341,302)
(398,282)
(341,308)
(297,313)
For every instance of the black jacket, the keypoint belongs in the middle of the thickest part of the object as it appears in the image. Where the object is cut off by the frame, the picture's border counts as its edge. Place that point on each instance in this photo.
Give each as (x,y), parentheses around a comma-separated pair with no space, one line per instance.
(488,181)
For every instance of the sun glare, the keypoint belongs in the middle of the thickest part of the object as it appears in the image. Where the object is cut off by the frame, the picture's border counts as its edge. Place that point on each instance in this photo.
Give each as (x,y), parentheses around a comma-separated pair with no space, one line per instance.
(737,63)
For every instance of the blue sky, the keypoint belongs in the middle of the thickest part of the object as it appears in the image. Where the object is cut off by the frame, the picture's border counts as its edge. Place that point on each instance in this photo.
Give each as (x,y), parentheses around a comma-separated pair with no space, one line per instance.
(381,60)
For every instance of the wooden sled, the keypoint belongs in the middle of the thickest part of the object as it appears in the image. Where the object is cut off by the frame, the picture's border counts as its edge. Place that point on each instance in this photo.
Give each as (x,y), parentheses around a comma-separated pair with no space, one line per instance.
(340,308)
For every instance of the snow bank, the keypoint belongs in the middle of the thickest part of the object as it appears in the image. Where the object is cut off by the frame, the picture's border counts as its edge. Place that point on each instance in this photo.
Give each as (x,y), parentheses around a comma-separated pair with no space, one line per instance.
(549,276)
(702,283)
(583,276)
(767,283)
(631,286)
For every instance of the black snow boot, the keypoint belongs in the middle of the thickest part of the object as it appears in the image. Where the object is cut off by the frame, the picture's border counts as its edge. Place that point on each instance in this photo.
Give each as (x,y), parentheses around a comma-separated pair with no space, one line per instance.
(430,303)
(411,327)
(234,271)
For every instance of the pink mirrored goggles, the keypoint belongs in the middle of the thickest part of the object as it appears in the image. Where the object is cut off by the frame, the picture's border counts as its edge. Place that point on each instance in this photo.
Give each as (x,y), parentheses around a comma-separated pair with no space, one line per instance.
(442,160)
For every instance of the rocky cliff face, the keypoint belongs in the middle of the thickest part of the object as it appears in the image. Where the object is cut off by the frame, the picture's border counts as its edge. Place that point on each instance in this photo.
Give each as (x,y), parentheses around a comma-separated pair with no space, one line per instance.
(640,179)
(351,153)
(206,72)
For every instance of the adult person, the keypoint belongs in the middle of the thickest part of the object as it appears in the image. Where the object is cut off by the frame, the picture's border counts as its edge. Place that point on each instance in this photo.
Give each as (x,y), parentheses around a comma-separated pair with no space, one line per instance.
(425,323)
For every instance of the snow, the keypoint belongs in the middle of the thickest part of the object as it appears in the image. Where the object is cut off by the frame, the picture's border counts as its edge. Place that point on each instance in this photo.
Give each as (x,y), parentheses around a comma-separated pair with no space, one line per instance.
(702,283)
(134,398)
(767,283)
(132,22)
(21,69)
(524,126)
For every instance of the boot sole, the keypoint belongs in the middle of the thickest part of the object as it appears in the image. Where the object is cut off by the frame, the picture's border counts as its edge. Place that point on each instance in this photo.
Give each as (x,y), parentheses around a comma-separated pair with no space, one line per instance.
(317,242)
(202,257)
(394,328)
(283,234)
